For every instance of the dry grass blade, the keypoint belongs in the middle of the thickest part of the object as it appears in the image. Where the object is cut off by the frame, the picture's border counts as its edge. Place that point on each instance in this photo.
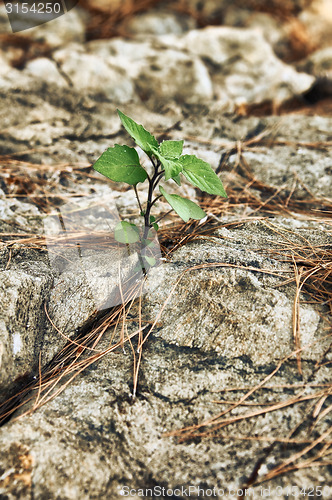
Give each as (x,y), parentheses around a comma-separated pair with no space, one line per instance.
(191,432)
(285,466)
(73,359)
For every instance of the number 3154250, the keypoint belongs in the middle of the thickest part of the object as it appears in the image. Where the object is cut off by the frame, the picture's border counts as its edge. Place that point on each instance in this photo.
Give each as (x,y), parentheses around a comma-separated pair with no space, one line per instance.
(35,8)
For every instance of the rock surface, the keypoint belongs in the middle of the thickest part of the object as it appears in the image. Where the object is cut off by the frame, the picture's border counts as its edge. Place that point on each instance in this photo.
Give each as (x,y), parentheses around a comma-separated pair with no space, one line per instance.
(223,306)
(95,440)
(26,282)
(235,304)
(242,74)
(234,66)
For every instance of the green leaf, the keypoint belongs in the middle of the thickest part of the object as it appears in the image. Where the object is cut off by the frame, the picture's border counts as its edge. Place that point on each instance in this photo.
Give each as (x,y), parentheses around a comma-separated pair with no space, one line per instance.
(171,149)
(126,233)
(186,209)
(121,164)
(201,175)
(142,137)
(177,179)
(172,167)
(150,260)
(149,241)
(152,221)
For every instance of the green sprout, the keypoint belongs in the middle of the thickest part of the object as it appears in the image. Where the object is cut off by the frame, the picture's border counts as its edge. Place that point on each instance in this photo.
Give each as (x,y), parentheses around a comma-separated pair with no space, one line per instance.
(122,164)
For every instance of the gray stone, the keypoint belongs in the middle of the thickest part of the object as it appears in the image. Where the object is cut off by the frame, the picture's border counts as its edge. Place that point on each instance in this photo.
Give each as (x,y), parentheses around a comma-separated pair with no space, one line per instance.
(45,70)
(233,66)
(90,72)
(24,289)
(242,73)
(95,439)
(161,75)
(4,65)
(240,63)
(224,326)
(274,31)
(159,22)
(234,302)
(130,55)
(174,76)
(298,168)
(319,63)
(24,215)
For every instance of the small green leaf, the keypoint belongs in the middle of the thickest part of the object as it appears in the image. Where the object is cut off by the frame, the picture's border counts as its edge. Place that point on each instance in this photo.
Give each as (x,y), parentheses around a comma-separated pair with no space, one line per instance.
(171,149)
(152,219)
(177,179)
(126,233)
(186,209)
(142,137)
(150,260)
(121,164)
(172,167)
(201,175)
(149,242)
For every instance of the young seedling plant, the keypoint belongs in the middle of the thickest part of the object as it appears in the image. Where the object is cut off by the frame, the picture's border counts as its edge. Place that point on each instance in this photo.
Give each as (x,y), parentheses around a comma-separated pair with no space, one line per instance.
(122,164)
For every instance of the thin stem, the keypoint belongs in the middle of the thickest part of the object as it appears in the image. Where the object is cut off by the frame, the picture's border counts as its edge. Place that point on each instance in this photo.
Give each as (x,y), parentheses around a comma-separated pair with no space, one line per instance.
(160,174)
(156,199)
(137,198)
(155,165)
(153,181)
(159,218)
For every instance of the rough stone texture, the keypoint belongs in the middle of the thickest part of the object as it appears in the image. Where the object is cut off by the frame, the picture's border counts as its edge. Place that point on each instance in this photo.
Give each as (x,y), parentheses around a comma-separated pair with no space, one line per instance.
(242,74)
(233,310)
(224,327)
(319,63)
(25,215)
(159,22)
(25,284)
(95,439)
(90,284)
(294,165)
(221,63)
(91,73)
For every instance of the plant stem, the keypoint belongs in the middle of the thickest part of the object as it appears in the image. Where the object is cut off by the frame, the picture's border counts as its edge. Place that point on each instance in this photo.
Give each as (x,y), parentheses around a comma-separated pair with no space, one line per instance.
(137,198)
(159,219)
(153,181)
(160,174)
(156,199)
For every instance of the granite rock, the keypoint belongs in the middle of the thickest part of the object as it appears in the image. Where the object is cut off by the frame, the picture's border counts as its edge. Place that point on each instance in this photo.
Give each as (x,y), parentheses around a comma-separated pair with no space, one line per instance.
(95,440)
(26,281)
